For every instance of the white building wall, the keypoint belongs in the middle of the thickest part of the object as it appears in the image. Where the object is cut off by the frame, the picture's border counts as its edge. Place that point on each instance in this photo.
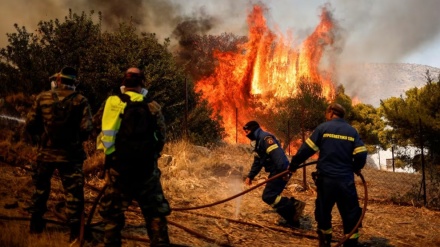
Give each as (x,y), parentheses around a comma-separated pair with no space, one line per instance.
(378,160)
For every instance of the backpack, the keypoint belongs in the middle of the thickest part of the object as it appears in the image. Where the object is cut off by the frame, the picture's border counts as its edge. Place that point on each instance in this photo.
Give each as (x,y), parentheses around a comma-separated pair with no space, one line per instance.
(136,141)
(63,128)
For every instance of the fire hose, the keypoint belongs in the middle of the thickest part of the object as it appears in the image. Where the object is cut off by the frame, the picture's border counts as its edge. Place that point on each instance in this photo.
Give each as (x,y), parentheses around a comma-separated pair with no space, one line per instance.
(364,209)
(252,188)
(347,236)
(282,174)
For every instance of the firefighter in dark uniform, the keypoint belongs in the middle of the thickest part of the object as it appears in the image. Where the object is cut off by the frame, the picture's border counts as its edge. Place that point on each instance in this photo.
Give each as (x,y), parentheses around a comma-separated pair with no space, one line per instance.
(341,154)
(271,156)
(66,155)
(124,185)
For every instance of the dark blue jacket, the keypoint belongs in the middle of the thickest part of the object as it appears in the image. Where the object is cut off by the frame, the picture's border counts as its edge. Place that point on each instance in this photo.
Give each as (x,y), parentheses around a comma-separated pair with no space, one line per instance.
(270,155)
(341,151)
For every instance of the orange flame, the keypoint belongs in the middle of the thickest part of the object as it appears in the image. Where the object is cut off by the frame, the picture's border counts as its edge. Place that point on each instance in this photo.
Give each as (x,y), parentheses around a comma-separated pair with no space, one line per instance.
(355,100)
(266,69)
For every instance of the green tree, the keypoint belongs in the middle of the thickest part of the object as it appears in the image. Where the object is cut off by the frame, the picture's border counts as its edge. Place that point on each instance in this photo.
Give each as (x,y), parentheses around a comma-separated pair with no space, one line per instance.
(367,121)
(29,59)
(344,100)
(301,113)
(101,58)
(415,119)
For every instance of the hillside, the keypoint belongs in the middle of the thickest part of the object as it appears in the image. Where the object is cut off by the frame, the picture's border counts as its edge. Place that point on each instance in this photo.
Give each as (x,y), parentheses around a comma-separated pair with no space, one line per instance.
(373,82)
(194,176)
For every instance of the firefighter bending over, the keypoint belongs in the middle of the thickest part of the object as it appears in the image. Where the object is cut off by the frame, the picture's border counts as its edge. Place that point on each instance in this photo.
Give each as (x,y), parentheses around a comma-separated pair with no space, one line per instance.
(271,156)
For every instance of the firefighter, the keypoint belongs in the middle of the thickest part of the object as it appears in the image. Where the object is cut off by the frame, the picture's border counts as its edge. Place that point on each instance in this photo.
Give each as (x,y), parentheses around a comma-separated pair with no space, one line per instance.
(124,180)
(341,154)
(59,130)
(270,155)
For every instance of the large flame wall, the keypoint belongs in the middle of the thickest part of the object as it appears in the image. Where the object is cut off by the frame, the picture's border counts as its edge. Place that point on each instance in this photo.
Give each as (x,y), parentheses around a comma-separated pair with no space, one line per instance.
(266,68)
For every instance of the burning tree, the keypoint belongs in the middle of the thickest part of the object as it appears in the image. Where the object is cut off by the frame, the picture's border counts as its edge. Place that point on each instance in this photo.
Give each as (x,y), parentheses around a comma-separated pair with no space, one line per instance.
(298,115)
(196,48)
(266,69)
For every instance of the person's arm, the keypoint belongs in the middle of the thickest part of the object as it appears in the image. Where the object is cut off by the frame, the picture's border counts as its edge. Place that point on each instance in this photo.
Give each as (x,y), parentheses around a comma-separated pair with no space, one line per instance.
(97,121)
(256,167)
(307,149)
(156,110)
(359,155)
(34,123)
(276,153)
(86,121)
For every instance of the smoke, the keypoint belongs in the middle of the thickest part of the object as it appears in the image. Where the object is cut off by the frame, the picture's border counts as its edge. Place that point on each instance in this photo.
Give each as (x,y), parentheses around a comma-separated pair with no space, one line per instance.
(388,31)
(382,32)
(375,31)
(155,16)
(148,15)
(379,31)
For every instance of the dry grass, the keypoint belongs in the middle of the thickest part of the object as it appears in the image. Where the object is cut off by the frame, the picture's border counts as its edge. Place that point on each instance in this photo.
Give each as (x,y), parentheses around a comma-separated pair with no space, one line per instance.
(10,233)
(194,176)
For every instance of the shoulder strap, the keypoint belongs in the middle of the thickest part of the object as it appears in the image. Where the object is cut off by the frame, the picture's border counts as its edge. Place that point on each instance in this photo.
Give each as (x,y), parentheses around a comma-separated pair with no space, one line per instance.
(56,99)
(124,98)
(70,96)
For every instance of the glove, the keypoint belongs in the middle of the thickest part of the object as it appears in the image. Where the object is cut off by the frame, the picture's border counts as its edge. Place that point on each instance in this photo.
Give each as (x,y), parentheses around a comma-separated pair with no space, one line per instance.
(293,167)
(315,176)
(287,176)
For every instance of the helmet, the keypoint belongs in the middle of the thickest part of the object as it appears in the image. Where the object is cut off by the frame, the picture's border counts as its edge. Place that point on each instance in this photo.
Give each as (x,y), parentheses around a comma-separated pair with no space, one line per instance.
(337,109)
(251,126)
(67,75)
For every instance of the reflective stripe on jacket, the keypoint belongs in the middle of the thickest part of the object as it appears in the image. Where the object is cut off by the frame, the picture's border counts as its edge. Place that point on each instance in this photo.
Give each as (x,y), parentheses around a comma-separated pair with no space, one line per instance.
(270,154)
(111,120)
(341,150)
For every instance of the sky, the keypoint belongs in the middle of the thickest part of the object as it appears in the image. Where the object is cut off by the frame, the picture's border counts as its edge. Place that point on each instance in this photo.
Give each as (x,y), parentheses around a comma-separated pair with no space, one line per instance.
(378,31)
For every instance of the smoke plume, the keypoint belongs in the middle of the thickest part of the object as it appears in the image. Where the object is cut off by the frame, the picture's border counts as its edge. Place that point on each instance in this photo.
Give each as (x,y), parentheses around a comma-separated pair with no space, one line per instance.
(376,31)
(379,31)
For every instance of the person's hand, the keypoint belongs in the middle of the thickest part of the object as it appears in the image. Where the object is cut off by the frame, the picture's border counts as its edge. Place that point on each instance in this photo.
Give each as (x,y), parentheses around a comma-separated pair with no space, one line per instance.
(248,181)
(287,176)
(292,167)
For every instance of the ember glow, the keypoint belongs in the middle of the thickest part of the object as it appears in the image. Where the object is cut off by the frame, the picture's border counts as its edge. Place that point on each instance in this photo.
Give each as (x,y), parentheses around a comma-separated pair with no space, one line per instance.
(266,69)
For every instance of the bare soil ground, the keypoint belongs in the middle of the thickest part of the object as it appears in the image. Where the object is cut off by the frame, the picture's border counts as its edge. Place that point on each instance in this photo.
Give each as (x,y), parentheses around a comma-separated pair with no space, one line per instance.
(193,177)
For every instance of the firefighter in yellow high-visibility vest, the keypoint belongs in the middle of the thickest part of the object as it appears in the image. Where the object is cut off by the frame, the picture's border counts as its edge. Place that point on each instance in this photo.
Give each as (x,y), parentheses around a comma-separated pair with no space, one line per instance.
(127,181)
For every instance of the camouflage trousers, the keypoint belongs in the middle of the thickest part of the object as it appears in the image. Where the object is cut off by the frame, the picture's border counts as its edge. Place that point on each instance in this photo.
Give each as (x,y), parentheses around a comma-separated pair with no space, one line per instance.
(119,194)
(72,179)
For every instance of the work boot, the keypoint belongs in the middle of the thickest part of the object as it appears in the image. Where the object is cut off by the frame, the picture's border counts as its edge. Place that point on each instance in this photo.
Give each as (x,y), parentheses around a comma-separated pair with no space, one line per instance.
(290,224)
(299,209)
(351,242)
(324,239)
(75,229)
(291,210)
(37,225)
(157,229)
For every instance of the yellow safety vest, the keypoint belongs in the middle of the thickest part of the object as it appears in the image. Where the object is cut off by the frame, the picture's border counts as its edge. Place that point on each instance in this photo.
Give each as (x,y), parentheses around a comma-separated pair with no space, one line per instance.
(111,121)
